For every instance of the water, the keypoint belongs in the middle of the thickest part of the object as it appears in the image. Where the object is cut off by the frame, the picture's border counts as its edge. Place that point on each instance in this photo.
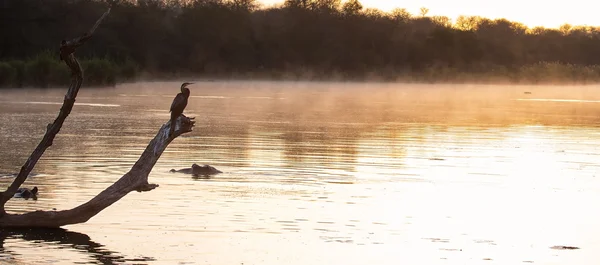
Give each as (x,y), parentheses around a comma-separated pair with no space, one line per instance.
(316,173)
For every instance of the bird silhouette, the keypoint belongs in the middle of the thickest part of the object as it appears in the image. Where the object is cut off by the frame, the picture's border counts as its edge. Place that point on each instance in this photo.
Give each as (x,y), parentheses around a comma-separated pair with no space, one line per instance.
(179,103)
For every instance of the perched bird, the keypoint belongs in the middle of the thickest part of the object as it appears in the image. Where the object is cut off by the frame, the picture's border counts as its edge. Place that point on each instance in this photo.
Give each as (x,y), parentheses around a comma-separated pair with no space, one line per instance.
(179,103)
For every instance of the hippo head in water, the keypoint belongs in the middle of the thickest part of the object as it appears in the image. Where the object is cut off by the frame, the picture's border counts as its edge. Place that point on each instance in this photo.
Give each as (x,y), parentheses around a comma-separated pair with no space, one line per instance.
(27,193)
(197,170)
(204,170)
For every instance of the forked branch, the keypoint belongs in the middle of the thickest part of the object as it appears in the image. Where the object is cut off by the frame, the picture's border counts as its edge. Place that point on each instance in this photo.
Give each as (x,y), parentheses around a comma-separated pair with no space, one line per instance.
(135,180)
(67,49)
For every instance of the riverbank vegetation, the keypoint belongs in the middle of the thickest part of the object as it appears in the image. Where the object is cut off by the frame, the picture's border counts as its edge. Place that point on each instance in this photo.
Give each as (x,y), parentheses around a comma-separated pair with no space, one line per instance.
(299,40)
(46,70)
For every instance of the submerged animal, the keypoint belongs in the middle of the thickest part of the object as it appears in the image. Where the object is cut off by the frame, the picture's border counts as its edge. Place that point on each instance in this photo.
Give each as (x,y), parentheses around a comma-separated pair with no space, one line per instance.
(198,170)
(179,103)
(564,247)
(27,193)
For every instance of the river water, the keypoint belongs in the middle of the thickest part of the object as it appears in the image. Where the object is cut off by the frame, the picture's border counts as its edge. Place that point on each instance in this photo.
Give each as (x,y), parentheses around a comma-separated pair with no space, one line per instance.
(316,173)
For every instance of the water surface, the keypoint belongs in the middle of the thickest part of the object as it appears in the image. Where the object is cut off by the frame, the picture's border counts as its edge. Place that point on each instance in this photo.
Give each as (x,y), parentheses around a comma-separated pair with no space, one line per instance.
(316,173)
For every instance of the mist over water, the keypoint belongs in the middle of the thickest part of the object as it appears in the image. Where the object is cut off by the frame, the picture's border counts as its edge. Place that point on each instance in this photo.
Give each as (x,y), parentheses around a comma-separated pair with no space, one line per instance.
(316,173)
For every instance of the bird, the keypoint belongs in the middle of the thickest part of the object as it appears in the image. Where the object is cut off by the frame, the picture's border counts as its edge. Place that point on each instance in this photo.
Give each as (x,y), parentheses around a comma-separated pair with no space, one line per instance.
(179,103)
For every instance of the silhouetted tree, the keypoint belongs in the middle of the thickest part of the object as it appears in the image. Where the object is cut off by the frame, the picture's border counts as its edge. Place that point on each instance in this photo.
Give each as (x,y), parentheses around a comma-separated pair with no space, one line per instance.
(305,4)
(423,11)
(352,7)
(316,38)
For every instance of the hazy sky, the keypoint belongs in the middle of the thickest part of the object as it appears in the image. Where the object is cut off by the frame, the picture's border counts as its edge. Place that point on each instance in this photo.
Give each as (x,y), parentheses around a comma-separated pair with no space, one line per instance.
(530,12)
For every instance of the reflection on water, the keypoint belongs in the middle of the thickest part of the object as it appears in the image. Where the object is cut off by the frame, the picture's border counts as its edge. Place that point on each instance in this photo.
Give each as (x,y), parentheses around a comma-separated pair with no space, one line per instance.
(316,173)
(50,241)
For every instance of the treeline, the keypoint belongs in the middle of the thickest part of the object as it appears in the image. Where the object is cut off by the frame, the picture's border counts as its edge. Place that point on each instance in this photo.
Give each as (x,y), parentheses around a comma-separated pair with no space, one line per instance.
(301,39)
(45,70)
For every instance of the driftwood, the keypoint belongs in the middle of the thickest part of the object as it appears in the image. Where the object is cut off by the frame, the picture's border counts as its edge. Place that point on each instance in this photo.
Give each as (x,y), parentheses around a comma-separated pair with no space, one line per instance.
(136,179)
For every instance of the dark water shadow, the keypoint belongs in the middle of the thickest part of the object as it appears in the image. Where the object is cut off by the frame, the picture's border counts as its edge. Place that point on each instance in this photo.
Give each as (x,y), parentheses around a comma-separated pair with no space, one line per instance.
(65,239)
(201,177)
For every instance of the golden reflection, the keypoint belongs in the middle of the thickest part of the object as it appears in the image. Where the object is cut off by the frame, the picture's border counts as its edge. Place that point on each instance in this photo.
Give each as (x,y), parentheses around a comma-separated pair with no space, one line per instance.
(318,173)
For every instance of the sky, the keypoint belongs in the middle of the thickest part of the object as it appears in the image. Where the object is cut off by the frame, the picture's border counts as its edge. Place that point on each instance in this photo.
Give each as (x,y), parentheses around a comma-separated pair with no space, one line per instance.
(550,14)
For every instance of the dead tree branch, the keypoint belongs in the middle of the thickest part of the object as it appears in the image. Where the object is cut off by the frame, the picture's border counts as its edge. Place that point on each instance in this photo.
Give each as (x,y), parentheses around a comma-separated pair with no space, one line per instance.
(67,49)
(135,180)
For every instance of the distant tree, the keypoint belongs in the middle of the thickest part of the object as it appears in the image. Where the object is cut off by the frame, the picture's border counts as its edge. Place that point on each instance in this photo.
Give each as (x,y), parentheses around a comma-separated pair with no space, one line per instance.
(565,28)
(518,28)
(223,37)
(247,5)
(304,4)
(352,7)
(467,23)
(373,13)
(326,5)
(423,11)
(537,30)
(442,21)
(400,14)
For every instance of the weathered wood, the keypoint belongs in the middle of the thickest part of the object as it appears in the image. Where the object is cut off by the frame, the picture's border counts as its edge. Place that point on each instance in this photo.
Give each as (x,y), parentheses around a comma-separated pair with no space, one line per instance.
(67,49)
(135,180)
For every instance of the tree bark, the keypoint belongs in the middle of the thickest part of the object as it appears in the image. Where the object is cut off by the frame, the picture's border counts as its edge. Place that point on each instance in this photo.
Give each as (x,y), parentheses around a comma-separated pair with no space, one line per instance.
(67,49)
(135,179)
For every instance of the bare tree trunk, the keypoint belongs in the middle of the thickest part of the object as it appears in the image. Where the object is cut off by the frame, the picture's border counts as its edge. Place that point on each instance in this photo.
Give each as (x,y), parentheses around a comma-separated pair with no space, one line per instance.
(66,53)
(135,179)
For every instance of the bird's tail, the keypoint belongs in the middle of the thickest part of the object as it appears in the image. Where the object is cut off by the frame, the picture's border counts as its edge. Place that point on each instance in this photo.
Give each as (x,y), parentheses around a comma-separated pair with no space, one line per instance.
(172,128)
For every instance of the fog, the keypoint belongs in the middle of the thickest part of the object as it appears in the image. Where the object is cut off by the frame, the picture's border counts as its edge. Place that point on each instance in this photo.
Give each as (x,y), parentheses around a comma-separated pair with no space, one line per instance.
(368,168)
(371,103)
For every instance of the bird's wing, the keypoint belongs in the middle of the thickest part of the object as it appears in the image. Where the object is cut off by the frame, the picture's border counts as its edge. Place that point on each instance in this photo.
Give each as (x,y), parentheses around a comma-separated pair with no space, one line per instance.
(176,101)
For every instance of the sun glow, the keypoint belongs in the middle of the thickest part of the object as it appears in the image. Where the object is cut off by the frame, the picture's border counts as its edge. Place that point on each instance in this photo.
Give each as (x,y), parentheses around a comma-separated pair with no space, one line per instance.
(531,13)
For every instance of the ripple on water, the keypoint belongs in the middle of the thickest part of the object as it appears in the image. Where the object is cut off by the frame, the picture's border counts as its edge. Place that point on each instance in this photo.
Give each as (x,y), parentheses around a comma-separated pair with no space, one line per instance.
(320,186)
